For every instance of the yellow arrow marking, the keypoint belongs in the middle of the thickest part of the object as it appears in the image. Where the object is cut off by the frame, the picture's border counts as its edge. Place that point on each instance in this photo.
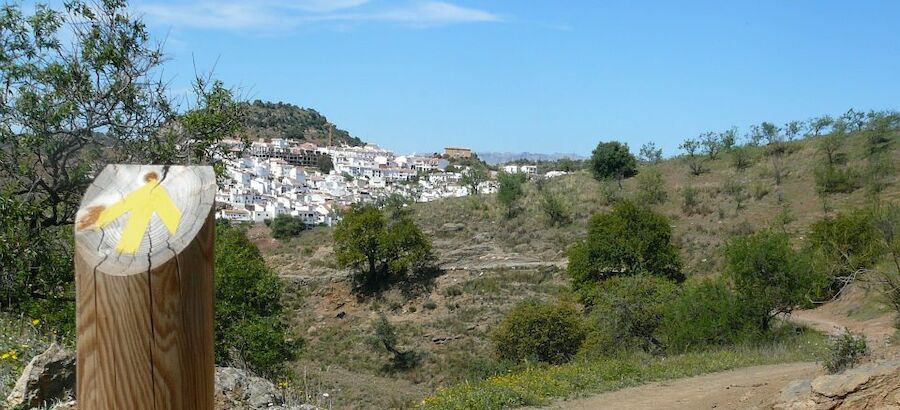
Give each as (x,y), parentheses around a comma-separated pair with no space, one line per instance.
(141,204)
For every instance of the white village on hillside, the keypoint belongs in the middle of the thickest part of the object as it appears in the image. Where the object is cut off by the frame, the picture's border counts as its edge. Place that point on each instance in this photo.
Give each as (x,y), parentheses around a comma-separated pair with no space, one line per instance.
(283,177)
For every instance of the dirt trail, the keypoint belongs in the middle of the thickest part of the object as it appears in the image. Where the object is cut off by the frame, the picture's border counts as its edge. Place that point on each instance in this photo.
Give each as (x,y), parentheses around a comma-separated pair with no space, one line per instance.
(747,388)
(751,387)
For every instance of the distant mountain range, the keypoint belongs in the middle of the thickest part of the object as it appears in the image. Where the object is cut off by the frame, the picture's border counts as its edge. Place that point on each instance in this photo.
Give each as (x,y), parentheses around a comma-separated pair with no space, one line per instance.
(494,158)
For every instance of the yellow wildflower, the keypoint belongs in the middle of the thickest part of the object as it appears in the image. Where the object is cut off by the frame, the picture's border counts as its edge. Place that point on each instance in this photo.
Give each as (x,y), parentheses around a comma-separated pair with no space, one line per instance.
(35,322)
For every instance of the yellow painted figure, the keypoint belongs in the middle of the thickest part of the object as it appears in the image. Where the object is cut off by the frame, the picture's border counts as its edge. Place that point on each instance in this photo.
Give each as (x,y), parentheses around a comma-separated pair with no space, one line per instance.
(141,204)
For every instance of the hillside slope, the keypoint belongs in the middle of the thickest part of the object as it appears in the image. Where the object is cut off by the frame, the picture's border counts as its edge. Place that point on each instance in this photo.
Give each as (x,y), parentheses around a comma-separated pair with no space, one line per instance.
(699,232)
(491,263)
(283,120)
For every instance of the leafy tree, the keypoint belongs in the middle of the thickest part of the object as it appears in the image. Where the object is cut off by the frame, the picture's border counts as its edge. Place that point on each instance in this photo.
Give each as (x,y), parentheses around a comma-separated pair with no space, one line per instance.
(82,88)
(854,120)
(769,277)
(473,177)
(695,160)
(380,251)
(612,160)
(35,271)
(249,324)
(286,226)
(510,190)
(75,105)
(832,144)
(650,154)
(755,135)
(728,138)
(793,129)
(879,132)
(538,331)
(711,144)
(627,241)
(820,124)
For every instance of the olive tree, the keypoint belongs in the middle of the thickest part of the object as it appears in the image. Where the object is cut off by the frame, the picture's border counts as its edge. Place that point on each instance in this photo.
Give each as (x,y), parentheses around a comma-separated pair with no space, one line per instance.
(695,159)
(612,160)
(380,251)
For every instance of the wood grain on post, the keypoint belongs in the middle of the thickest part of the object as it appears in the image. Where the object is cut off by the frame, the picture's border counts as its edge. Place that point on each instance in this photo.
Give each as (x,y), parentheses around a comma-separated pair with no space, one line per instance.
(144,239)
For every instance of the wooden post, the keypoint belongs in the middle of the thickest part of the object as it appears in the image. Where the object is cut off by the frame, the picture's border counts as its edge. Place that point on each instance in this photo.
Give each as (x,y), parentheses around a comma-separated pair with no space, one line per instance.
(144,239)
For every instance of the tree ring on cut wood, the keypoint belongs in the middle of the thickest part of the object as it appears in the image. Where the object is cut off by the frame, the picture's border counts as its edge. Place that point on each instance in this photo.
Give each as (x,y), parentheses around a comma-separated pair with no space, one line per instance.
(135,217)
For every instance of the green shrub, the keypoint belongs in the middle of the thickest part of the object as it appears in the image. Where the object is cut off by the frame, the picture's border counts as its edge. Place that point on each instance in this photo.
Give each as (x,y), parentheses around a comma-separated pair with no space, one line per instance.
(845,351)
(286,226)
(845,244)
(534,330)
(832,179)
(36,268)
(509,191)
(555,210)
(625,313)
(705,314)
(249,317)
(381,252)
(627,241)
(741,158)
(651,187)
(769,277)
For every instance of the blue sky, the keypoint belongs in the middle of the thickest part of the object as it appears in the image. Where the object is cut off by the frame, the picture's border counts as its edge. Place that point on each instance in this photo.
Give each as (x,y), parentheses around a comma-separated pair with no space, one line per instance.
(541,76)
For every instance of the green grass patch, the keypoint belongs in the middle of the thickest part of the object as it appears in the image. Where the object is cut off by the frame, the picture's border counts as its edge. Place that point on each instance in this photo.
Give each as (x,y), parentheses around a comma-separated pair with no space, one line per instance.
(537,385)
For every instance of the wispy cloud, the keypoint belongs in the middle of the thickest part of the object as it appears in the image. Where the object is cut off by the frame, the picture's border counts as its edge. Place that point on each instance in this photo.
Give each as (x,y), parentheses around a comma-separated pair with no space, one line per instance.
(275,15)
